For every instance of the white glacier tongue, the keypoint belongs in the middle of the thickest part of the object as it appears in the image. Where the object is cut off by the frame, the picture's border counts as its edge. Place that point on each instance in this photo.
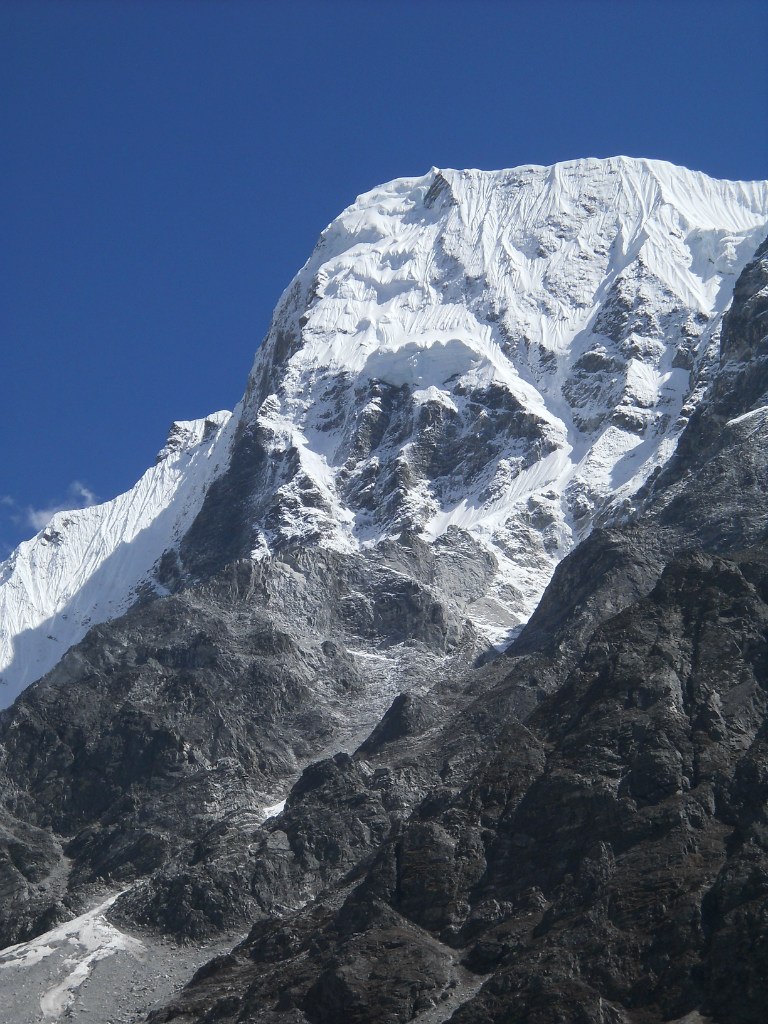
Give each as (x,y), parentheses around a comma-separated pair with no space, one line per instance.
(500,356)
(507,353)
(87,566)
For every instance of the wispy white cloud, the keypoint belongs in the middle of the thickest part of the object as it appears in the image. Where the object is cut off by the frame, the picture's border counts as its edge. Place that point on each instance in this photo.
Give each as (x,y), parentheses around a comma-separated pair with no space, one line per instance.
(77,496)
(12,520)
(10,510)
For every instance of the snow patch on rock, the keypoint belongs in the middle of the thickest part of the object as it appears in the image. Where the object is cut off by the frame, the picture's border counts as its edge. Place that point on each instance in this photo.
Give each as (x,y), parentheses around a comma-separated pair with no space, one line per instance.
(76,947)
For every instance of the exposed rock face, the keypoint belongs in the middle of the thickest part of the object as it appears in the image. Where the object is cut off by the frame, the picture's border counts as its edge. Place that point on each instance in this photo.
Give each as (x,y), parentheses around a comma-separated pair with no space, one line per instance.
(157,743)
(92,564)
(586,834)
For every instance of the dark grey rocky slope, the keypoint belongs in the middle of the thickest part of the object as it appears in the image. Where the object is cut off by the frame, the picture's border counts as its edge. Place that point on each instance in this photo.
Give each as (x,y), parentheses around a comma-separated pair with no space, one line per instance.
(577,832)
(572,832)
(153,748)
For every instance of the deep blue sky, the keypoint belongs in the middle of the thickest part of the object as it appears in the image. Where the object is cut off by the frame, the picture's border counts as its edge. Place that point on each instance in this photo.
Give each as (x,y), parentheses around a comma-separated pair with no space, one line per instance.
(167,166)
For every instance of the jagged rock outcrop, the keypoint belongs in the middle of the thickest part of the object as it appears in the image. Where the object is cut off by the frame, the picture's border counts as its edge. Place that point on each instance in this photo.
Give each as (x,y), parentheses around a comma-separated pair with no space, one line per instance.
(154,746)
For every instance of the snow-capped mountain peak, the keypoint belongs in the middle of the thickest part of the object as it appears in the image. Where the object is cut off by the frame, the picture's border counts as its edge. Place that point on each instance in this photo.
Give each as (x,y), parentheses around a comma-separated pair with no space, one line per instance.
(494,358)
(502,352)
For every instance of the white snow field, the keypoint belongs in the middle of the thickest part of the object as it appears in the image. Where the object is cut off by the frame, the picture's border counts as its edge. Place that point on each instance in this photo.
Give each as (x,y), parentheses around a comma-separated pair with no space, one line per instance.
(505,354)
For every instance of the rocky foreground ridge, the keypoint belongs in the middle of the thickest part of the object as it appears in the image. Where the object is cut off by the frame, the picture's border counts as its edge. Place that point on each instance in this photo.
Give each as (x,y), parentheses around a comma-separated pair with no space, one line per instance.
(571,831)
(583,836)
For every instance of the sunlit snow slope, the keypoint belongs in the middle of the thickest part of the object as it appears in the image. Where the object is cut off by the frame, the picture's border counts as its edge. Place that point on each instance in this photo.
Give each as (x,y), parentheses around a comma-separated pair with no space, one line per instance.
(501,352)
(502,356)
(88,565)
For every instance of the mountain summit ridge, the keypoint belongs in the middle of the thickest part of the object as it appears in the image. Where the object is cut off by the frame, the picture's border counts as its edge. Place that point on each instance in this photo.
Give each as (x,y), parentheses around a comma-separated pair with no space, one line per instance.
(520,320)
(91,564)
